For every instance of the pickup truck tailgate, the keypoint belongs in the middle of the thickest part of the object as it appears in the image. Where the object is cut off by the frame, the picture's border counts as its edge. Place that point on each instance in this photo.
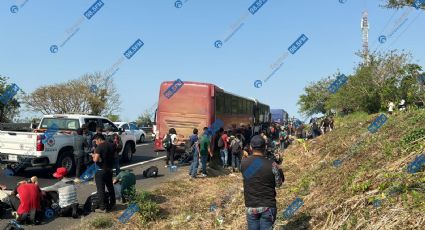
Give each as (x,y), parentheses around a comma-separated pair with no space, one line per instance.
(17,143)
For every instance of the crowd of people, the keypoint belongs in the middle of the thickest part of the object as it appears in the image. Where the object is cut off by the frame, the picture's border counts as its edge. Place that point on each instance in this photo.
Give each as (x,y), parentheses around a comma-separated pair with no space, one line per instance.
(29,202)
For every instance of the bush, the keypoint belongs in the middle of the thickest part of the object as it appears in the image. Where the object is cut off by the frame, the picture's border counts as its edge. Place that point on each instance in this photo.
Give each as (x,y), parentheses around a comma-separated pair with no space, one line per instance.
(148,209)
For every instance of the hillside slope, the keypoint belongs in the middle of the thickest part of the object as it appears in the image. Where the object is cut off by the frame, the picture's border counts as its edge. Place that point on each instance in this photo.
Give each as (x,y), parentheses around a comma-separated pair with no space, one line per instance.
(369,188)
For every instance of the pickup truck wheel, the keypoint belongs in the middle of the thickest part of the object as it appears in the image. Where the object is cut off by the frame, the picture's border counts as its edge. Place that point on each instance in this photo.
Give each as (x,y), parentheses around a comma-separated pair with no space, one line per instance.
(142,138)
(67,161)
(126,154)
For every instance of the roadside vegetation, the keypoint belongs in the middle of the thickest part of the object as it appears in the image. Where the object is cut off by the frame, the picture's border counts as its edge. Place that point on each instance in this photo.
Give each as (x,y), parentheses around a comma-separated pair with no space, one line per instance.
(371,189)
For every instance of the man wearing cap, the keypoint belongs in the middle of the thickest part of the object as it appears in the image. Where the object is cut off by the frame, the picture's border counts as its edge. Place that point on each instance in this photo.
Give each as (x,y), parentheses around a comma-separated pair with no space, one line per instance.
(260,178)
(67,192)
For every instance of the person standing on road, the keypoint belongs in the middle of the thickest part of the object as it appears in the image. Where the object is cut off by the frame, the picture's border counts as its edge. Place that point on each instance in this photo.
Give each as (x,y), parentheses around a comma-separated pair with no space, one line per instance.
(171,151)
(67,193)
(115,140)
(205,150)
(104,157)
(79,154)
(223,145)
(193,169)
(261,177)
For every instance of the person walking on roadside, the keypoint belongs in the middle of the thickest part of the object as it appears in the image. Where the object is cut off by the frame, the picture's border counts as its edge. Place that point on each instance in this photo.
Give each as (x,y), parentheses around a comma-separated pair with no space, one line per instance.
(104,157)
(204,151)
(223,145)
(236,149)
(261,177)
(282,138)
(194,150)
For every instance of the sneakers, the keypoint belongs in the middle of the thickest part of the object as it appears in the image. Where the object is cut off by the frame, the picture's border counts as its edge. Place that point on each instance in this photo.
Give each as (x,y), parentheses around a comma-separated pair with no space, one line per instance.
(77,180)
(204,175)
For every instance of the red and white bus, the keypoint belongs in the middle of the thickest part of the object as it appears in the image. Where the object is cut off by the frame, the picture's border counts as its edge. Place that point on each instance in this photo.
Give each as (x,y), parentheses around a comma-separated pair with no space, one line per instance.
(198,105)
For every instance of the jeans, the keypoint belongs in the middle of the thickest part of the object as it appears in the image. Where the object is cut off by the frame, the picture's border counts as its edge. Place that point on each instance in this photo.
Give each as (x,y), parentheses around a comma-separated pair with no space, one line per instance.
(104,178)
(223,154)
(236,161)
(204,159)
(193,169)
(262,221)
(117,166)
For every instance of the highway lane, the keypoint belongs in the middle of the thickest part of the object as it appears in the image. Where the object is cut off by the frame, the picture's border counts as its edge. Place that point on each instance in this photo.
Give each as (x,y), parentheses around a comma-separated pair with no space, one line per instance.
(144,152)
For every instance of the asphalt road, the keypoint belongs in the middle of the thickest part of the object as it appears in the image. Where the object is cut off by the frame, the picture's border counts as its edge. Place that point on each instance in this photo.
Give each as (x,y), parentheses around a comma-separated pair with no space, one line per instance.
(144,154)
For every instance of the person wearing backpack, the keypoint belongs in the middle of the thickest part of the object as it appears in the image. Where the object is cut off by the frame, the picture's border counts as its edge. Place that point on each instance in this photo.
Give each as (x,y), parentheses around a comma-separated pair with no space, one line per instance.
(169,143)
(236,149)
(194,149)
(223,146)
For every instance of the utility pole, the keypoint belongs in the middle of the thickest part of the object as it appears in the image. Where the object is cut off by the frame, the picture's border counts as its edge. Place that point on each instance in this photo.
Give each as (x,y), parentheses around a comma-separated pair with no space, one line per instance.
(364,25)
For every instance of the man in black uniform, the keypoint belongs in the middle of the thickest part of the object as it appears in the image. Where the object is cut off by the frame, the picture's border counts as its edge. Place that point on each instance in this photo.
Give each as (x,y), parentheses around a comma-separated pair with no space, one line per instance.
(260,178)
(104,157)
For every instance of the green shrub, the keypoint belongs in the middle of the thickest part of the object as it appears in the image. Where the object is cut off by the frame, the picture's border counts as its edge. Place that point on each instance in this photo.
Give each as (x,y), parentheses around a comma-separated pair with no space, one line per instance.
(148,209)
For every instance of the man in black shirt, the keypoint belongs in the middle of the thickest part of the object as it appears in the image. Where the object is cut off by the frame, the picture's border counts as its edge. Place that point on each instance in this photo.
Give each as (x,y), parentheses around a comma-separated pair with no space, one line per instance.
(260,178)
(104,157)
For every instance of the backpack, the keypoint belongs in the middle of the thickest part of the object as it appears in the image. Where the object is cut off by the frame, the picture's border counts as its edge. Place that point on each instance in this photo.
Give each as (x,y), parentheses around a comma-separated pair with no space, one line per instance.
(166,143)
(236,146)
(220,143)
(151,172)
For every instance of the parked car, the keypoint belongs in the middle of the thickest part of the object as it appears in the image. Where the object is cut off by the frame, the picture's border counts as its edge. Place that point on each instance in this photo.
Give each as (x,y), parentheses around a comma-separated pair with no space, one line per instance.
(41,148)
(132,129)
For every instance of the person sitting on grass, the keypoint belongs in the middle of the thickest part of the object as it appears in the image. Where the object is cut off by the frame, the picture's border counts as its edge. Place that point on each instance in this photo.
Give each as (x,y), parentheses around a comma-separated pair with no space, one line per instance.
(127,179)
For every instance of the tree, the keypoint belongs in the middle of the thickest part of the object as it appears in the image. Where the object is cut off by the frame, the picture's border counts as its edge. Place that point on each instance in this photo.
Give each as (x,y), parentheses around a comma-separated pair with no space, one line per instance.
(144,119)
(313,101)
(91,94)
(113,118)
(388,77)
(401,3)
(9,110)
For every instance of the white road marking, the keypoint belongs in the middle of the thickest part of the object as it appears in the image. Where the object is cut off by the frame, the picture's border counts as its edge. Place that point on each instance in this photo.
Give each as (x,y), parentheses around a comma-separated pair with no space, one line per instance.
(143,162)
(142,145)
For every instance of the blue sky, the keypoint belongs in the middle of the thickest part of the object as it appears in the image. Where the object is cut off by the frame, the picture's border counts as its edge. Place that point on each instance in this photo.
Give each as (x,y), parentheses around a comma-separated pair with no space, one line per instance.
(179,43)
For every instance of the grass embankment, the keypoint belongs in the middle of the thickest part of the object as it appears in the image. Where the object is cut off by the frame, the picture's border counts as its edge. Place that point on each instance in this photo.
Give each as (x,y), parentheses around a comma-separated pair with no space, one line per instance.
(369,190)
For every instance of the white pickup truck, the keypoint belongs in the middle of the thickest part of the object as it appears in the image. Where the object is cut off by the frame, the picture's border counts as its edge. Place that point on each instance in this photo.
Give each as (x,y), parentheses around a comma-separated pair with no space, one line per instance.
(29,149)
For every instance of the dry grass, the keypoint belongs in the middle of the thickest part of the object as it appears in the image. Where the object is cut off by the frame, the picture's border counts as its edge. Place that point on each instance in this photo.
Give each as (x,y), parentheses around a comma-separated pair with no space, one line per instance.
(334,198)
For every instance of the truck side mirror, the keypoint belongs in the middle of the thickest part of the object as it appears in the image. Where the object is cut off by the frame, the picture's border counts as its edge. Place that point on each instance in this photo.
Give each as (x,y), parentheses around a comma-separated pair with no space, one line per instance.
(121,130)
